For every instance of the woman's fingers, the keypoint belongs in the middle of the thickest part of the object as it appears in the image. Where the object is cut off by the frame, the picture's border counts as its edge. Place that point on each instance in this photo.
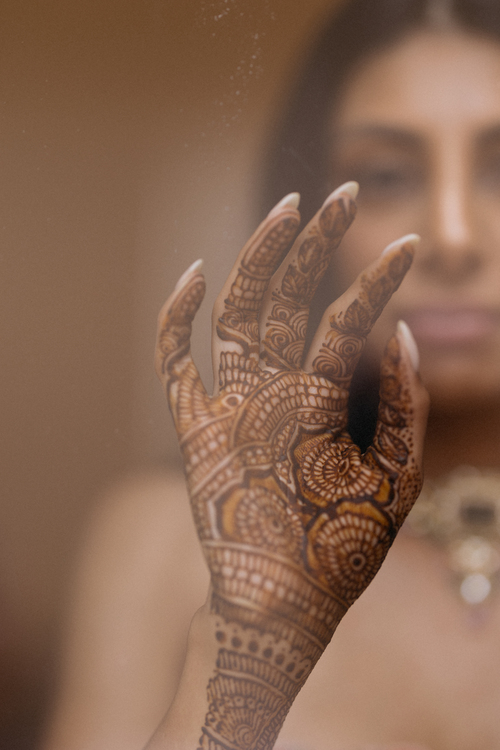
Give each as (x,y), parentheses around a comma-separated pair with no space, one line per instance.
(235,344)
(402,418)
(186,394)
(285,310)
(341,335)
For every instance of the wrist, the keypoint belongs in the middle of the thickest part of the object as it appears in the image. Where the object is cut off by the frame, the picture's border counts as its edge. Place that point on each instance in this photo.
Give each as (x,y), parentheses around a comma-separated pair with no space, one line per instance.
(272,623)
(245,664)
(181,726)
(253,587)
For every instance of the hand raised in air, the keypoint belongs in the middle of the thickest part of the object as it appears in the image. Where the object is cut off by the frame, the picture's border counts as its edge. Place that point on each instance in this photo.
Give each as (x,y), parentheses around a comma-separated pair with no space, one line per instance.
(293,519)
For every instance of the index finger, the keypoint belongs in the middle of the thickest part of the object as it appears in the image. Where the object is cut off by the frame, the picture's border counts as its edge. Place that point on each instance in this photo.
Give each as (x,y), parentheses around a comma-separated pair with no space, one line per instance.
(342,333)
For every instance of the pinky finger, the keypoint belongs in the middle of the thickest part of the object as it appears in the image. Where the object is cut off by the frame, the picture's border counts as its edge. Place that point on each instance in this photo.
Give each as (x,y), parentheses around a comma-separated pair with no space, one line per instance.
(173,362)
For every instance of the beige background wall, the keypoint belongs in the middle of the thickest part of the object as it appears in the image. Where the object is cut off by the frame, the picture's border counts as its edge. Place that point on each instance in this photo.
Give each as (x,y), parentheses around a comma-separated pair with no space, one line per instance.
(130,135)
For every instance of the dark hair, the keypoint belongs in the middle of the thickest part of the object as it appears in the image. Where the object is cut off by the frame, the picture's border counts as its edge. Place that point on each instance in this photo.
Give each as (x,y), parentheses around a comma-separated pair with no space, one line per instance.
(297,159)
(297,155)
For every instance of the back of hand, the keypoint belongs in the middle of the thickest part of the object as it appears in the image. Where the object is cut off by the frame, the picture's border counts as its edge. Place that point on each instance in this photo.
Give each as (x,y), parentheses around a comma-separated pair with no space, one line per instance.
(294,521)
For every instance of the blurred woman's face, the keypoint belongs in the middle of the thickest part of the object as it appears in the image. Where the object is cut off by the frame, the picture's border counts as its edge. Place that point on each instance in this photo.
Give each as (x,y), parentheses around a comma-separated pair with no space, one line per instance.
(419,127)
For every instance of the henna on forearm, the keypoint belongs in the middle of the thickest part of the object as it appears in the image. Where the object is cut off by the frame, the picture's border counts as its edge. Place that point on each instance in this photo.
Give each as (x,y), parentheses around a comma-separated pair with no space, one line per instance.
(293,520)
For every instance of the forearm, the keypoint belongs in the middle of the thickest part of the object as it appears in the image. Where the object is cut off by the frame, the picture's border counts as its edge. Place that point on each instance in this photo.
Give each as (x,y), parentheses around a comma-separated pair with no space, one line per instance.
(248,657)
(181,727)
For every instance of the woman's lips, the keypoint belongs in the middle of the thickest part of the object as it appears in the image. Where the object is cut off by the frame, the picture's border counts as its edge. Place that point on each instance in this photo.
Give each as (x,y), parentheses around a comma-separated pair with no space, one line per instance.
(452,326)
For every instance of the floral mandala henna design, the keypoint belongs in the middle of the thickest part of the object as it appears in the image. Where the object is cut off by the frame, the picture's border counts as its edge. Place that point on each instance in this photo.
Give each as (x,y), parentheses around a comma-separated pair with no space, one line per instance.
(351,549)
(262,518)
(330,471)
(294,521)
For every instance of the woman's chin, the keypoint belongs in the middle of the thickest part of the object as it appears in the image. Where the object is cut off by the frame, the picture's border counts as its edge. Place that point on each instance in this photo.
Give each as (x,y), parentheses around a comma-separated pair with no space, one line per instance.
(460,387)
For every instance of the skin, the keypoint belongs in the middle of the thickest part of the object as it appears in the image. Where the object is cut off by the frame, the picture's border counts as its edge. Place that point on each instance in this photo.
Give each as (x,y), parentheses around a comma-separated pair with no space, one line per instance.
(429,162)
(444,149)
(293,521)
(409,666)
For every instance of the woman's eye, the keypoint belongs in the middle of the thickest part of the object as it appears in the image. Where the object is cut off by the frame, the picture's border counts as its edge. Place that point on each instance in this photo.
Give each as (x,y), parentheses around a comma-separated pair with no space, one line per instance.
(384,180)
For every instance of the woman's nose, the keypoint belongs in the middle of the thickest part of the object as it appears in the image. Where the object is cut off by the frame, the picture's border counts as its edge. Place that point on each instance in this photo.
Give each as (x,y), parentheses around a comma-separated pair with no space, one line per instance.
(451,247)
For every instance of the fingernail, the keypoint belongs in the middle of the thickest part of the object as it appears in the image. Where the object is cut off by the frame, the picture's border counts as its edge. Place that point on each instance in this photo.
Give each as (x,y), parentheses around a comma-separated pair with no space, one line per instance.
(351,188)
(409,343)
(413,239)
(291,200)
(189,272)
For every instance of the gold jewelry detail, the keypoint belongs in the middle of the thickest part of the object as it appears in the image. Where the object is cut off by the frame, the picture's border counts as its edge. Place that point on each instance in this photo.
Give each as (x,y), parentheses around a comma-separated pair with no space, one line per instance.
(461,513)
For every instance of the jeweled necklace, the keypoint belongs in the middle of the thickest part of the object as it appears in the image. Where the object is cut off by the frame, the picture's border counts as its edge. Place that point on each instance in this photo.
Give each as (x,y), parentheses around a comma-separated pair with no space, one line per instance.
(461,513)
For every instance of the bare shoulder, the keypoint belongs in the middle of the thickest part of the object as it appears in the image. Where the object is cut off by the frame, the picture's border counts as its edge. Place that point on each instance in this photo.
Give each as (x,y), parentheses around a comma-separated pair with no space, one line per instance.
(150,509)
(139,501)
(142,535)
(142,550)
(140,578)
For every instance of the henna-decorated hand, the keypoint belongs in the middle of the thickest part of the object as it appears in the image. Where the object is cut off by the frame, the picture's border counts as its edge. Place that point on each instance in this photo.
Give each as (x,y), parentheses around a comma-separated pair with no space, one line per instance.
(294,521)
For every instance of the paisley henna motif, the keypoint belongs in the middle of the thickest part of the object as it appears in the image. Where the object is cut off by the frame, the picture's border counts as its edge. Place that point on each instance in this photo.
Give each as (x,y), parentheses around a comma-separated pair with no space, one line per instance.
(238,322)
(283,345)
(294,521)
(349,329)
(394,442)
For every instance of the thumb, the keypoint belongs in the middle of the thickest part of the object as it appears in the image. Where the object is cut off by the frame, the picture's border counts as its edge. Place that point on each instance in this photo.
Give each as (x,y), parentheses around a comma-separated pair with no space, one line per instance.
(402,416)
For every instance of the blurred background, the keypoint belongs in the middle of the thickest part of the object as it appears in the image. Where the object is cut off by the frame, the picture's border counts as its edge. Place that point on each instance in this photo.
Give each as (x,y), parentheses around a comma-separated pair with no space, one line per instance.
(131,139)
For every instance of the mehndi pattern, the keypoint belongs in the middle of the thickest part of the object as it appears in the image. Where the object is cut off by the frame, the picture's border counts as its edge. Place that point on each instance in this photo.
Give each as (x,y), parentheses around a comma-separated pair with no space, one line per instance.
(294,521)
